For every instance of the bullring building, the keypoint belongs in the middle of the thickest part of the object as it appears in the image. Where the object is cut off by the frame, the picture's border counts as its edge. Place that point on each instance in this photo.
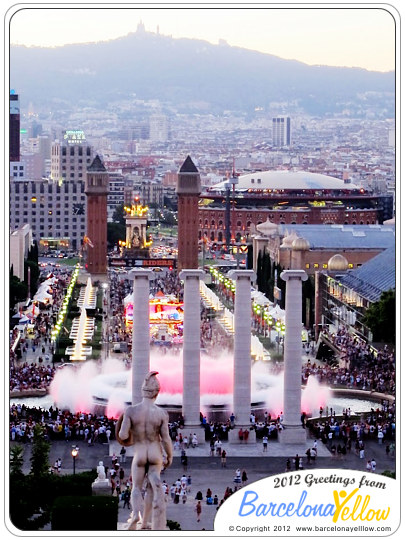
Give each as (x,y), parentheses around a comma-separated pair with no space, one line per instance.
(290,198)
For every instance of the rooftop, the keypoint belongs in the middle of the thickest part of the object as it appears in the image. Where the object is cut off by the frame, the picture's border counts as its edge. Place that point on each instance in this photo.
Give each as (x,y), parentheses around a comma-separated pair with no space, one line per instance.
(282,180)
(350,237)
(373,277)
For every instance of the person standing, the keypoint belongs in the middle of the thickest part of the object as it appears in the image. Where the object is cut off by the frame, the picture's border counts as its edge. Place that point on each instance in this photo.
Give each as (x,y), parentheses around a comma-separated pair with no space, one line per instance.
(265,441)
(198,510)
(223,458)
(126,496)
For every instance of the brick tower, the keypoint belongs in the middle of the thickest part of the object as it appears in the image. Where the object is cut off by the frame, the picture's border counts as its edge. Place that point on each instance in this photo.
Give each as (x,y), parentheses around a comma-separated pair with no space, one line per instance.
(188,190)
(96,189)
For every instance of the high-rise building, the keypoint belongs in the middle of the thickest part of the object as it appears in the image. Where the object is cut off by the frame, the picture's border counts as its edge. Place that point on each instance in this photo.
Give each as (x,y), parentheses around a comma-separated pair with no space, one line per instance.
(14,148)
(188,191)
(55,211)
(20,243)
(115,193)
(281,131)
(96,189)
(70,158)
(159,128)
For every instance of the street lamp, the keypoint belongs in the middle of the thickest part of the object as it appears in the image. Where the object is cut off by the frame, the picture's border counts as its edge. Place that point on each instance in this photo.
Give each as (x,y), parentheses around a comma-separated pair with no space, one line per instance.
(75,452)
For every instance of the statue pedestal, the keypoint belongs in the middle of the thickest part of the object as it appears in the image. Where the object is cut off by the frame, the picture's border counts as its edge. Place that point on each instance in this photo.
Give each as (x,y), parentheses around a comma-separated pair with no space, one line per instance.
(293,435)
(101,487)
(123,526)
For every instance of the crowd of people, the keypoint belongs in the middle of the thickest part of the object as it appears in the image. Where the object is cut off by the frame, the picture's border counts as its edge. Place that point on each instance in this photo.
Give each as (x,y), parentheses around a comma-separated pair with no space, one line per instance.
(365,367)
(30,377)
(32,340)
(369,370)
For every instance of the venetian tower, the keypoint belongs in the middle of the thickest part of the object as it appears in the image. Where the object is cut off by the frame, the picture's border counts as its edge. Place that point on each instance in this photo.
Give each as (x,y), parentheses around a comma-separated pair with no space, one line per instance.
(96,190)
(188,190)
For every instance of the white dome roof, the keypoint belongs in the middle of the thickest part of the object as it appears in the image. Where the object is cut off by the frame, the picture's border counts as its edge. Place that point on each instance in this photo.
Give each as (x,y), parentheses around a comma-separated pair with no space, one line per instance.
(267,228)
(337,263)
(287,180)
(300,244)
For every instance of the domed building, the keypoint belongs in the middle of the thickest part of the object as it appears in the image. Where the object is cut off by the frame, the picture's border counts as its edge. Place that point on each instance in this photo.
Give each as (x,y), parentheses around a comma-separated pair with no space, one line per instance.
(286,198)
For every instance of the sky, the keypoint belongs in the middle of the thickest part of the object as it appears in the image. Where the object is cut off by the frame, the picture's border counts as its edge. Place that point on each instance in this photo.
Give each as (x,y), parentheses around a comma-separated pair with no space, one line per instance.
(336,36)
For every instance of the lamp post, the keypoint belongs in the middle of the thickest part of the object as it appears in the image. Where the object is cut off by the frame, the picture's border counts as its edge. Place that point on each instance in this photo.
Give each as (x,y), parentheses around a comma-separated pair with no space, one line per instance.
(75,452)
(278,328)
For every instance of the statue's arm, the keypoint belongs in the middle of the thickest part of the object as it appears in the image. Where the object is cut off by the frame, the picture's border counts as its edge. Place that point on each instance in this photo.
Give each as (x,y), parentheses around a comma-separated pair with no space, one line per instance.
(123,430)
(166,440)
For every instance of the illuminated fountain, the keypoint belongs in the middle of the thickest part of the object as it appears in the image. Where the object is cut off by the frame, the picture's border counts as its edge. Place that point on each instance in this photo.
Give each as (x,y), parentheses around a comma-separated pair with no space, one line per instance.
(83,327)
(86,386)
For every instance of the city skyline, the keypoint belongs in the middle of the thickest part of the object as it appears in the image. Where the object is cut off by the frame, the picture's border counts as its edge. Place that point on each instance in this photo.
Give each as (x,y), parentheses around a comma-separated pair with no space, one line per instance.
(335,36)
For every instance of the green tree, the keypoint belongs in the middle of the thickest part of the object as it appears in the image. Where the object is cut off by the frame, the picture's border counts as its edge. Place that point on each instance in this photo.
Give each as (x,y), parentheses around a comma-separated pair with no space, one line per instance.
(115,232)
(40,453)
(33,253)
(249,257)
(380,317)
(280,283)
(34,275)
(18,290)
(259,272)
(119,215)
(169,217)
(16,460)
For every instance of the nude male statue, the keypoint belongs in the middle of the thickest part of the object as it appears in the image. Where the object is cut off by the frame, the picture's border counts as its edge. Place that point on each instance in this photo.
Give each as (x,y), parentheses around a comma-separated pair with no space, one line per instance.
(145,426)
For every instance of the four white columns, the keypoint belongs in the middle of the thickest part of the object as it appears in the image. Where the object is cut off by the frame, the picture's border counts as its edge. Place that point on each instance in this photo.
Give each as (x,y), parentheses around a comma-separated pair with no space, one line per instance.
(242,346)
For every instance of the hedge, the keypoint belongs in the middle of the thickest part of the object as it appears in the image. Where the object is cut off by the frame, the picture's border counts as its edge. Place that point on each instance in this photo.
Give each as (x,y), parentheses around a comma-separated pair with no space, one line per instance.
(93,513)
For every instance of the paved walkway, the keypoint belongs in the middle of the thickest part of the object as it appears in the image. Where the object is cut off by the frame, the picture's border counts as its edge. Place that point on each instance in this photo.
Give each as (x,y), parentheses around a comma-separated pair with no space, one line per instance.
(206,472)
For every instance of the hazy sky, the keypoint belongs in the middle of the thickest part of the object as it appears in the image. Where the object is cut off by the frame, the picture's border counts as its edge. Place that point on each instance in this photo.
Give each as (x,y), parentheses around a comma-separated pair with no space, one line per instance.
(360,37)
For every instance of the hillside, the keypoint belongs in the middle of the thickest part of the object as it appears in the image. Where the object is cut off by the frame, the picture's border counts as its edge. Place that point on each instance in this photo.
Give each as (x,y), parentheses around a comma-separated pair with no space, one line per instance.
(187,71)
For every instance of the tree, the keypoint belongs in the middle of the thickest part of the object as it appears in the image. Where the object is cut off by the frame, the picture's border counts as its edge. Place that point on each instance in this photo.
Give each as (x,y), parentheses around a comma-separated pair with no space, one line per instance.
(249,257)
(40,453)
(115,232)
(33,253)
(259,272)
(119,215)
(34,275)
(380,318)
(18,289)
(16,460)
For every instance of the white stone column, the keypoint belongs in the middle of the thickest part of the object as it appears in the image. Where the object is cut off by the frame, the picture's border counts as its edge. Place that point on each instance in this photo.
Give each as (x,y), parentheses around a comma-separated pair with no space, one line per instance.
(242,367)
(191,346)
(293,432)
(140,331)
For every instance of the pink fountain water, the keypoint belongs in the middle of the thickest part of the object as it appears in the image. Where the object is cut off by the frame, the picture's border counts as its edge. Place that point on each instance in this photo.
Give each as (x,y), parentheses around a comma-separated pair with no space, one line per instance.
(82,386)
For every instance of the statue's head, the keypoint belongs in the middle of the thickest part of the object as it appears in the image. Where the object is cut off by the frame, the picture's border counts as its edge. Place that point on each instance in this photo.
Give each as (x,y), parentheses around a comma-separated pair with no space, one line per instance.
(150,386)
(100,463)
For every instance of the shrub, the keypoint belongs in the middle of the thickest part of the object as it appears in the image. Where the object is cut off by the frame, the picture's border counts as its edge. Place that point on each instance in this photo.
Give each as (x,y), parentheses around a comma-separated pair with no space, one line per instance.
(94,513)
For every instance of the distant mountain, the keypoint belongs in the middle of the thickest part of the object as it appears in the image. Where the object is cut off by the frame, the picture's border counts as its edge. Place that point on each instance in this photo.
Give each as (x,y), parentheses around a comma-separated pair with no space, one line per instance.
(189,71)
